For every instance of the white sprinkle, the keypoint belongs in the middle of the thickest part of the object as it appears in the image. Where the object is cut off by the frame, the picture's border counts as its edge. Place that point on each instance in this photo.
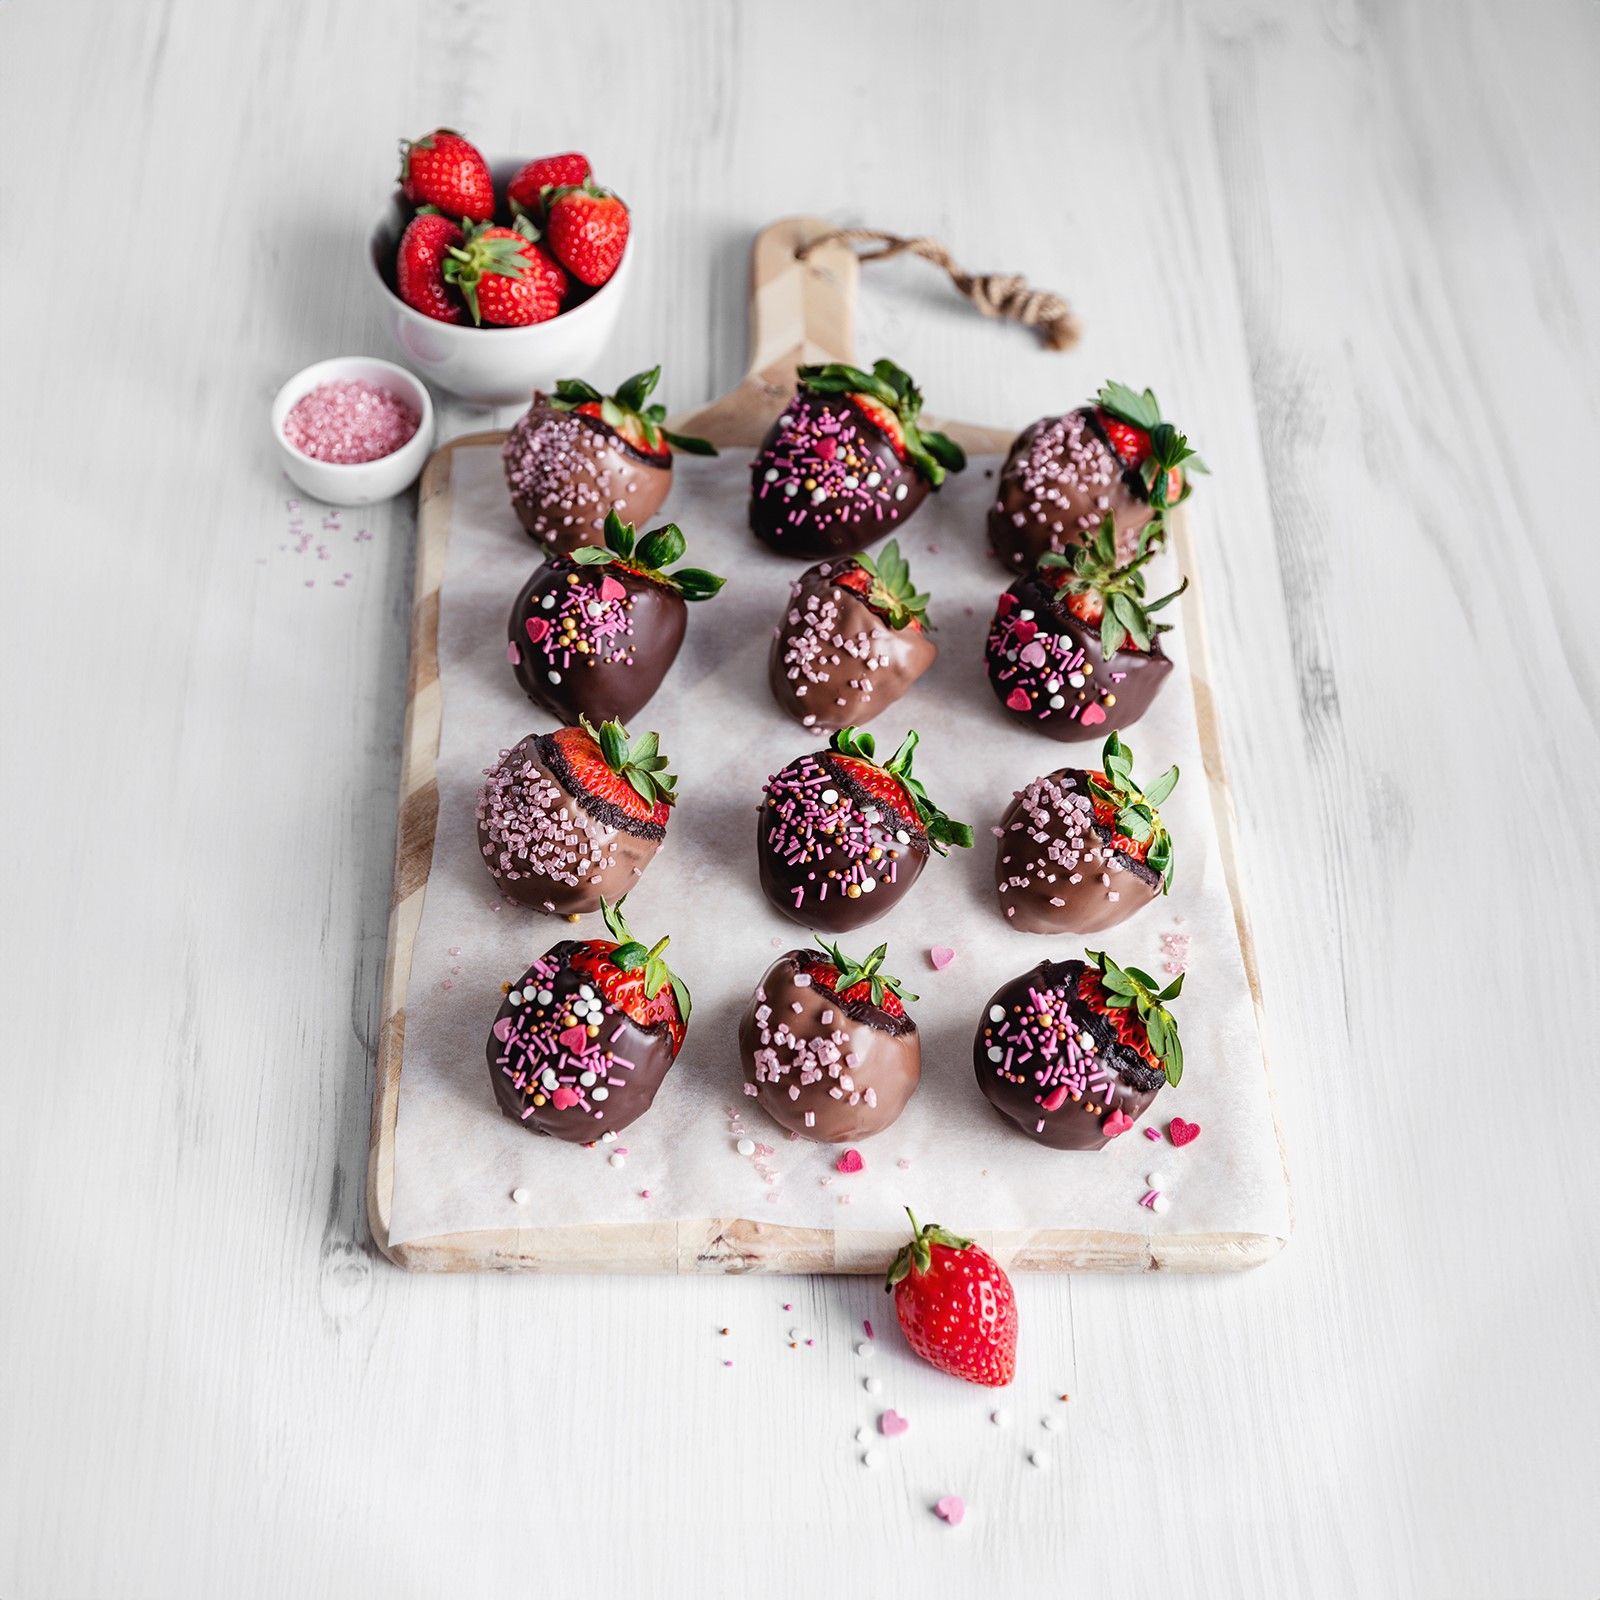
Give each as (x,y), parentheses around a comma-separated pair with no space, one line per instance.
(520,1195)
(863,1435)
(1075,679)
(874,479)
(1024,615)
(602,1093)
(830,797)
(1040,1458)
(870,1458)
(548,1078)
(1052,1423)
(609,1136)
(997,1013)
(1056,702)
(818,495)
(544,997)
(901,836)
(771,475)
(864,1347)
(872,1385)
(996,1053)
(900,492)
(1000,1418)
(746,1147)
(587,1080)
(617,1159)
(515,997)
(554,677)
(1156,1180)
(797,1334)
(1160,1205)
(868,885)
(585,992)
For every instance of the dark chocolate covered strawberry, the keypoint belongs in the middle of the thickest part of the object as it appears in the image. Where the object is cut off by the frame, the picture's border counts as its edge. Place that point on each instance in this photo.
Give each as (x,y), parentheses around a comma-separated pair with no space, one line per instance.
(842,838)
(1066,475)
(1081,851)
(1073,1052)
(854,637)
(577,455)
(593,633)
(571,818)
(585,1036)
(827,1046)
(846,463)
(1073,648)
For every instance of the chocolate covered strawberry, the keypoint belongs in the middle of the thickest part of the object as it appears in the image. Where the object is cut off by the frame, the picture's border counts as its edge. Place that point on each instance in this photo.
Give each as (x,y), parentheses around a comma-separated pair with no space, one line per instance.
(569,818)
(585,1036)
(854,637)
(592,634)
(846,463)
(1066,475)
(1073,1052)
(842,837)
(577,455)
(443,170)
(1074,648)
(955,1305)
(827,1046)
(1081,851)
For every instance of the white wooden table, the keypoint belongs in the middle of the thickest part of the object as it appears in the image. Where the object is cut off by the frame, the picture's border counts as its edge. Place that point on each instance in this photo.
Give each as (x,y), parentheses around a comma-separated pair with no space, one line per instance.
(1353,249)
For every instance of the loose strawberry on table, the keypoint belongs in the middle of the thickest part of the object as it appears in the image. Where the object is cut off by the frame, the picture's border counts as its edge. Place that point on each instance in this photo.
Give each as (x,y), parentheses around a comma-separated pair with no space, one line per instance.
(571,818)
(853,638)
(1074,1052)
(419,276)
(842,838)
(586,1035)
(443,170)
(587,229)
(1074,649)
(828,1048)
(593,634)
(577,455)
(1081,851)
(955,1306)
(526,190)
(846,463)
(1115,458)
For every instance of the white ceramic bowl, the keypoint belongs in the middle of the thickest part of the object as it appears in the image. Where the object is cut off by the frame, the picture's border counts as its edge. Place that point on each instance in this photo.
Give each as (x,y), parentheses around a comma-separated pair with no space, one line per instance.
(495,366)
(363,482)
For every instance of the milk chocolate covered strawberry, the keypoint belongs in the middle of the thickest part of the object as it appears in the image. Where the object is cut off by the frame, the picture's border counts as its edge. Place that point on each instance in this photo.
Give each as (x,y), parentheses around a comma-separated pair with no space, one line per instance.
(594,633)
(854,637)
(842,838)
(585,1036)
(846,463)
(1073,1052)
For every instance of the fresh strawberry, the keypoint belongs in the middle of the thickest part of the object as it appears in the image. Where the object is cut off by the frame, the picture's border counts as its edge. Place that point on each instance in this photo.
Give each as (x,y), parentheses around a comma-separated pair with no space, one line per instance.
(629,415)
(1135,1006)
(505,278)
(526,189)
(419,276)
(636,979)
(885,584)
(442,169)
(1134,429)
(1131,812)
(850,981)
(629,775)
(892,784)
(956,1306)
(588,230)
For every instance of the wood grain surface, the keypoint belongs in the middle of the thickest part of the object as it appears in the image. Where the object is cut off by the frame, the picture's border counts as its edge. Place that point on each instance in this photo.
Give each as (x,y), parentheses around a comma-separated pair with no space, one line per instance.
(1352,246)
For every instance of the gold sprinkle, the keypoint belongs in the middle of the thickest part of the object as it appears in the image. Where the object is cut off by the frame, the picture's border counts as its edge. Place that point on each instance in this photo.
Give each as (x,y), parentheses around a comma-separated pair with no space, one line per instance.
(1111,699)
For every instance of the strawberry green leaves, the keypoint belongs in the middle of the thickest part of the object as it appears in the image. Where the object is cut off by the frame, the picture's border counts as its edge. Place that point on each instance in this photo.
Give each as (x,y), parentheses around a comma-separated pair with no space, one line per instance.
(1168,449)
(869,972)
(892,592)
(932,454)
(628,412)
(659,548)
(942,831)
(918,1255)
(639,761)
(630,955)
(1091,569)
(1135,809)
(1128,987)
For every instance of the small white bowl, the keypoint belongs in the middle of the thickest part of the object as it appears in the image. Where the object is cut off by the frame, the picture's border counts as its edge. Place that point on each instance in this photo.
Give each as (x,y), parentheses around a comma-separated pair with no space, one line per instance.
(357,483)
(494,366)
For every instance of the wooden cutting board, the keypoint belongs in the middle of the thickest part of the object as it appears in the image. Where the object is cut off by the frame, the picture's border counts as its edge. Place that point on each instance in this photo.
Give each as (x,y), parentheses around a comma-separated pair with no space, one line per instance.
(800,312)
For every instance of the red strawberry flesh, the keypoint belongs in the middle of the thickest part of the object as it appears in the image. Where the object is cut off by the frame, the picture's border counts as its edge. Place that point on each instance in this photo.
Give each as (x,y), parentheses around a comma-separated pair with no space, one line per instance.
(625,990)
(878,785)
(581,760)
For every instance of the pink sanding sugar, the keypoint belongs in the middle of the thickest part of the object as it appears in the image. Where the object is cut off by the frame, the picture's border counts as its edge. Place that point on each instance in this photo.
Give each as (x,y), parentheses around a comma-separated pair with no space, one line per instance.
(349,422)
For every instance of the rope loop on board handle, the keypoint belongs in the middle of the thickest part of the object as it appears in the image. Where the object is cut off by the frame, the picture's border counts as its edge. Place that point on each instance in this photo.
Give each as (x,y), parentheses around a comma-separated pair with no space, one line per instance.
(996,294)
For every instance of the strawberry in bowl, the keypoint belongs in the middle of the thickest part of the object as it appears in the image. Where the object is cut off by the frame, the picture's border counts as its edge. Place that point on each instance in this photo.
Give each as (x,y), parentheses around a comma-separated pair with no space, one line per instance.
(1079,851)
(842,837)
(854,637)
(846,463)
(1073,648)
(828,1048)
(584,1038)
(1073,1052)
(1115,458)
(571,818)
(577,455)
(530,185)
(448,173)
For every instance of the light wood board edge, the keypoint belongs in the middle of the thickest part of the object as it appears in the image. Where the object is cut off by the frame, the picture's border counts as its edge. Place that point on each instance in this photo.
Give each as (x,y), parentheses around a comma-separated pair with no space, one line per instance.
(800,312)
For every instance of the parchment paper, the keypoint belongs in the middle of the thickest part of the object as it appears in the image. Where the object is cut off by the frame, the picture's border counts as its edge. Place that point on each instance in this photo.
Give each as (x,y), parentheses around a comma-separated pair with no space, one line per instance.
(457,1160)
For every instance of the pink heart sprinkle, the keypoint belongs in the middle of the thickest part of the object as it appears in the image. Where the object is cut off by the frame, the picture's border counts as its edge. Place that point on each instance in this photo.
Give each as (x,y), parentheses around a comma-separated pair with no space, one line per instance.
(827,449)
(1008,604)
(1181,1132)
(564,1097)
(891,1424)
(574,1038)
(941,955)
(1092,714)
(610,589)
(952,1508)
(1025,630)
(1018,700)
(850,1161)
(1055,1099)
(1032,654)
(502,1029)
(1118,1122)
(536,628)
(513,655)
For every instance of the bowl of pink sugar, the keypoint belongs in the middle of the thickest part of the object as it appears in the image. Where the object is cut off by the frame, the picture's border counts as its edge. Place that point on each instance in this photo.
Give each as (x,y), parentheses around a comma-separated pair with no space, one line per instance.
(353,430)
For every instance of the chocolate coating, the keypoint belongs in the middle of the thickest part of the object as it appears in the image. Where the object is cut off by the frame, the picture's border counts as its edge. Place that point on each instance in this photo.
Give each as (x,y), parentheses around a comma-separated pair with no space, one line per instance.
(566,472)
(539,1081)
(593,641)
(1058,1081)
(833,863)
(1059,481)
(826,1069)
(1047,668)
(550,845)
(835,662)
(860,488)
(1055,869)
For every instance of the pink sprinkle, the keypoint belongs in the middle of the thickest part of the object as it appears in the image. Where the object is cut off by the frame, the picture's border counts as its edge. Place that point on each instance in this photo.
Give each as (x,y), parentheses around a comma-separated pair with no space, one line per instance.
(866,1322)
(349,422)
(644,1194)
(952,1508)
(850,1161)
(941,955)
(1091,715)
(1153,1133)
(787,1306)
